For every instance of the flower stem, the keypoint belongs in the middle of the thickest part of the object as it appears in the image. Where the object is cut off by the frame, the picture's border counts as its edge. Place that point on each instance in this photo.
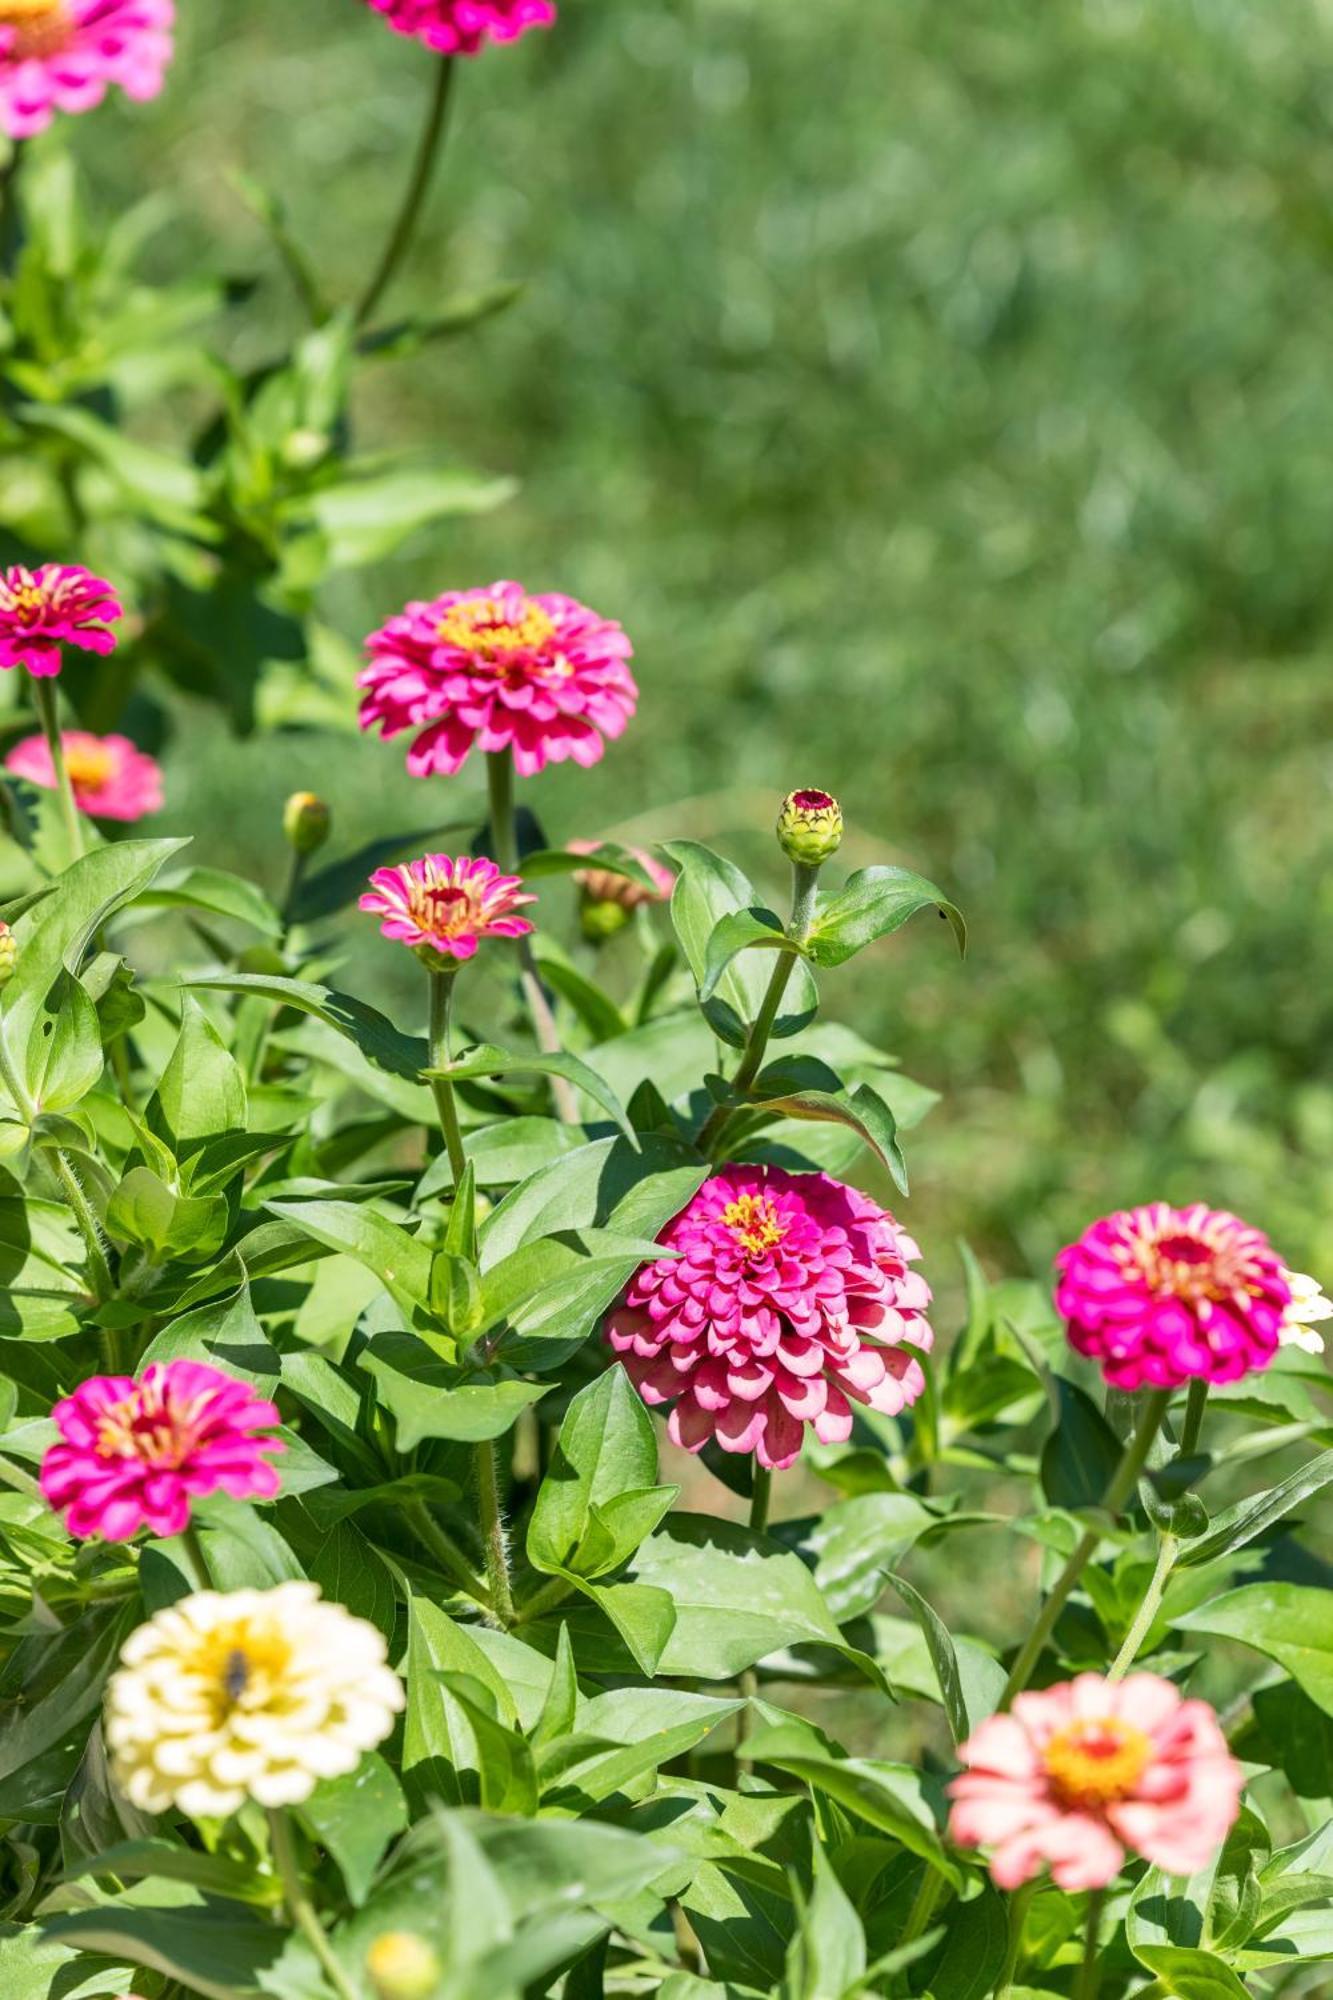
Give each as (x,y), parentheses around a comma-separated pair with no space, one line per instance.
(1167,1550)
(1195,1405)
(46,702)
(805,883)
(500,784)
(923,1907)
(99,1271)
(453,1563)
(441,1008)
(299,1907)
(1018,1909)
(760,1499)
(546,1599)
(1123,1483)
(494,1539)
(194,1550)
(437,114)
(21,1482)
(1090,1977)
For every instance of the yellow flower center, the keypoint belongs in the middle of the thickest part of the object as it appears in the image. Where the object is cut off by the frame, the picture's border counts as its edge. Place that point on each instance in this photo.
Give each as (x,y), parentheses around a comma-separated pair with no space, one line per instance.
(754,1222)
(243,1665)
(89,764)
(442,909)
(1207,1265)
(487,628)
(1095,1762)
(41,27)
(148,1427)
(28,601)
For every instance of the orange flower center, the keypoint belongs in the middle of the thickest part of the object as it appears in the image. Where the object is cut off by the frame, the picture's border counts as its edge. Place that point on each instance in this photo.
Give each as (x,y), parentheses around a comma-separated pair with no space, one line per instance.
(40,27)
(1095,1762)
(89,764)
(442,909)
(1208,1265)
(754,1222)
(147,1427)
(494,635)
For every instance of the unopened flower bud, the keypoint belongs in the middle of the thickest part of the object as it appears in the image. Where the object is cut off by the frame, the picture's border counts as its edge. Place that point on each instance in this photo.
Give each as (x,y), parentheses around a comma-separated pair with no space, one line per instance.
(305,821)
(601,919)
(403,1966)
(9,952)
(810,827)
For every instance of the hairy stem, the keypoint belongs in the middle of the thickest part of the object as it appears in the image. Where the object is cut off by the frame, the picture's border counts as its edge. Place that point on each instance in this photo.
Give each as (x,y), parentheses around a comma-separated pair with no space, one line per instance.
(500,784)
(494,1538)
(423,170)
(299,1907)
(453,1563)
(46,702)
(99,1271)
(441,1010)
(1123,1483)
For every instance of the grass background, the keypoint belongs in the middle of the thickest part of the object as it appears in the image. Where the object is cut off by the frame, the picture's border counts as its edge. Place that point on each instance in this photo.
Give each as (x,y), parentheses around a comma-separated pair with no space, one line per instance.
(942,397)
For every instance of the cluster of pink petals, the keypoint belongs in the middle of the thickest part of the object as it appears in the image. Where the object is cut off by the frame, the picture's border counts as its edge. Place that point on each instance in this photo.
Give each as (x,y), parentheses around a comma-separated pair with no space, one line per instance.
(135,1454)
(1159,1296)
(111,778)
(1081,1773)
(444,907)
(462,27)
(499,670)
(788,1300)
(603,885)
(58,605)
(63,55)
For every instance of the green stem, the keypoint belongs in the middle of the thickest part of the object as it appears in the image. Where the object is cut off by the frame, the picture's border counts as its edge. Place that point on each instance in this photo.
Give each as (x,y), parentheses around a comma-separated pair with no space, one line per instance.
(447,1554)
(300,1909)
(11,235)
(1090,1978)
(417,188)
(22,1482)
(923,1908)
(295,877)
(1018,1909)
(494,1540)
(46,702)
(1195,1405)
(504,839)
(1167,1550)
(441,1009)
(546,1599)
(805,883)
(761,1496)
(1123,1483)
(99,1271)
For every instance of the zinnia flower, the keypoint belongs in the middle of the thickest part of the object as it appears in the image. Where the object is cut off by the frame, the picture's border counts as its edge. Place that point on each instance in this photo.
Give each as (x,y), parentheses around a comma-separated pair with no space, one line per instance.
(1081,1773)
(58,605)
(789,1299)
(500,670)
(443,908)
(136,1454)
(61,55)
(1158,1296)
(111,778)
(461,27)
(607,900)
(255,1694)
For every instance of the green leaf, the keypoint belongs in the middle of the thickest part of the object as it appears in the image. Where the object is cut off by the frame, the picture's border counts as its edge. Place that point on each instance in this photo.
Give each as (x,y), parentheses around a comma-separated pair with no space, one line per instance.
(399,1261)
(621,1737)
(365,517)
(35,1966)
(943,1658)
(488,1061)
(561,1701)
(220,1951)
(63,1059)
(1241,1524)
(976,1945)
(875,902)
(743,930)
(216,892)
(1189,1974)
(827,1957)
(382,1045)
(225,1334)
(606,1447)
(1079,1459)
(428,1399)
(888,1796)
(708,889)
(607,854)
(1288,1622)
(546,1299)
(201,1092)
(607,1184)
(459,1713)
(355,1818)
(862,1110)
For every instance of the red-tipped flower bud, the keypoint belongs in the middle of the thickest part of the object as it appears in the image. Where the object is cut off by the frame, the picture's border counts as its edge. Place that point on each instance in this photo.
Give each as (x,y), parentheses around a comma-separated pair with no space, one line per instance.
(810,827)
(306,820)
(403,1966)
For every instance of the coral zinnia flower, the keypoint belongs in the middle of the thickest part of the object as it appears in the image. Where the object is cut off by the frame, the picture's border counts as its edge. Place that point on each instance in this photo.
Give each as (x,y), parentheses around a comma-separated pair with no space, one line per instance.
(61,55)
(788,1300)
(255,1694)
(135,1454)
(603,885)
(461,27)
(58,605)
(1160,1295)
(1082,1772)
(111,778)
(499,670)
(443,908)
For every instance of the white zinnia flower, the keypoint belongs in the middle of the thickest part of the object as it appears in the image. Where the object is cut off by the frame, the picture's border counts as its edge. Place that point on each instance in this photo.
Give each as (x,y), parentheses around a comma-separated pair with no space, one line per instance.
(1308,1304)
(250,1694)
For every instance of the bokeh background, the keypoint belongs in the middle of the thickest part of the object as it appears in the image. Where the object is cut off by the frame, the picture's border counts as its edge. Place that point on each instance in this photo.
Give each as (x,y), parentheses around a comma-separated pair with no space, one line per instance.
(943,397)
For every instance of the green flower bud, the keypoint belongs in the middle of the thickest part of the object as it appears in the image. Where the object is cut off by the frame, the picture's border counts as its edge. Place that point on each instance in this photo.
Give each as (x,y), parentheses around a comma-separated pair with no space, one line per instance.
(306,820)
(810,827)
(9,952)
(403,1966)
(601,920)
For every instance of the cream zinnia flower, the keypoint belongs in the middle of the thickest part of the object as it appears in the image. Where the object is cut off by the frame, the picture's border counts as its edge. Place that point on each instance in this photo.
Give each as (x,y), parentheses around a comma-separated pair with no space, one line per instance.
(1308,1305)
(254,1694)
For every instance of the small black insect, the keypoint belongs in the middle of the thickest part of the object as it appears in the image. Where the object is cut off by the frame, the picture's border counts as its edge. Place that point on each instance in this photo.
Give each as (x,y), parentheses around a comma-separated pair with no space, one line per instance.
(236,1675)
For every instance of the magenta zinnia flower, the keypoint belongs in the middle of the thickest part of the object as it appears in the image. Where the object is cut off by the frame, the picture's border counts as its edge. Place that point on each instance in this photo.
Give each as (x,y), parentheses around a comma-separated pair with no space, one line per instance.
(1158,1296)
(444,908)
(789,1299)
(499,670)
(62,55)
(58,605)
(461,27)
(135,1454)
(111,778)
(1083,1772)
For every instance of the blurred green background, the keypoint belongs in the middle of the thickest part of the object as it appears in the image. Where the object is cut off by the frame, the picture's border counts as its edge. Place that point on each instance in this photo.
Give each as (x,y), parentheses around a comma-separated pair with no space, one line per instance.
(942,397)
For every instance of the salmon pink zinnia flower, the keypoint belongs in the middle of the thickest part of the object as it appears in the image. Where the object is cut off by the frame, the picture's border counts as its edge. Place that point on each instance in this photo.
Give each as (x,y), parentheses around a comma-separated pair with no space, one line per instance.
(461,27)
(443,908)
(1083,1772)
(788,1300)
(62,55)
(499,670)
(110,777)
(1158,1296)
(134,1454)
(58,605)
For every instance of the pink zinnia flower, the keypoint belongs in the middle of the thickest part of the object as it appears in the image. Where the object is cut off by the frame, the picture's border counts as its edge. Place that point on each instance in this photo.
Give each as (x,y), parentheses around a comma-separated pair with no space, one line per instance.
(1081,1773)
(499,670)
(789,1300)
(1160,1295)
(62,55)
(461,27)
(111,778)
(443,908)
(135,1454)
(603,885)
(58,605)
